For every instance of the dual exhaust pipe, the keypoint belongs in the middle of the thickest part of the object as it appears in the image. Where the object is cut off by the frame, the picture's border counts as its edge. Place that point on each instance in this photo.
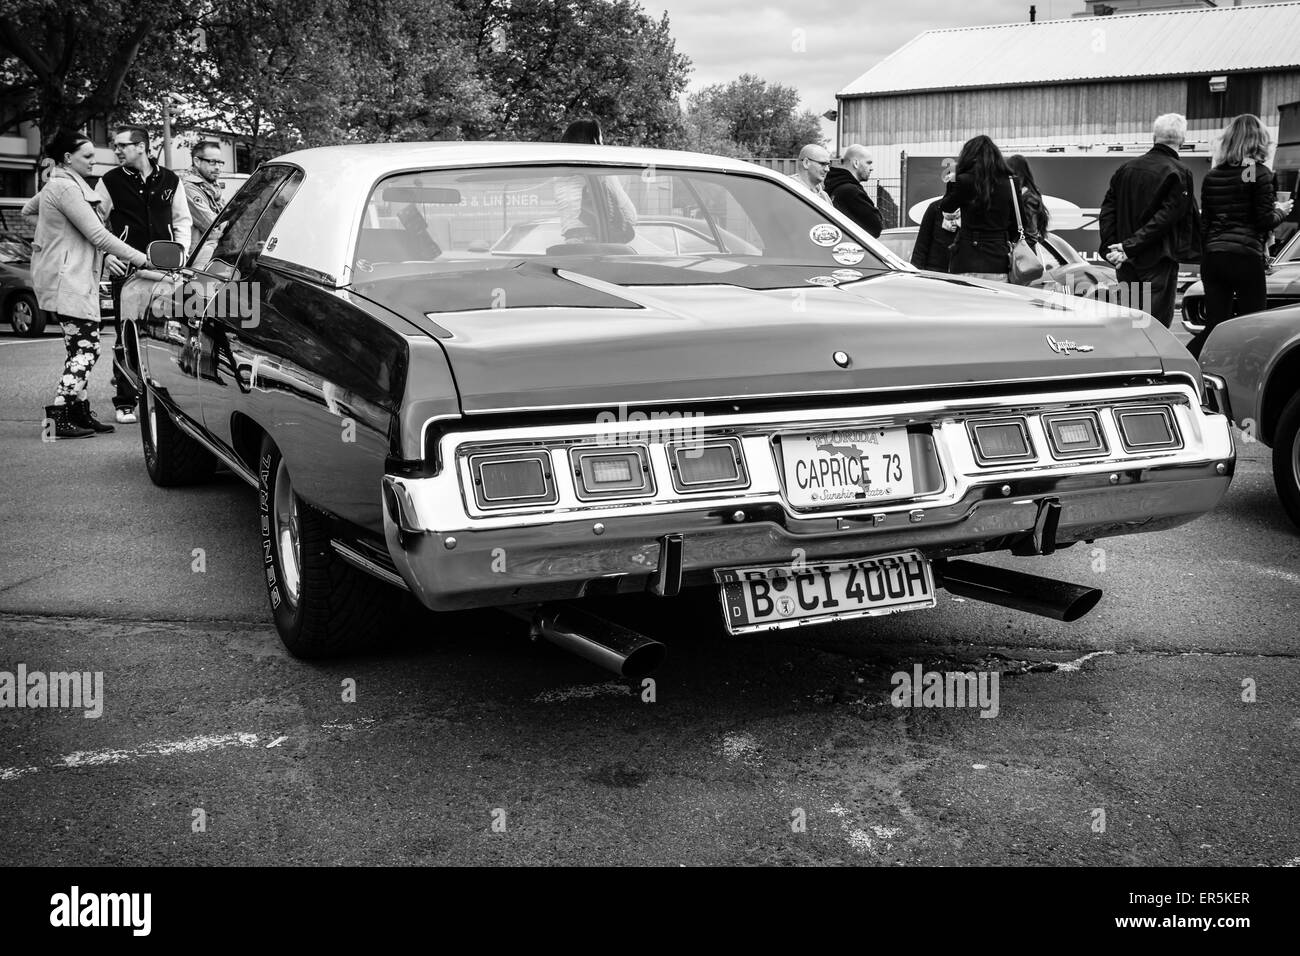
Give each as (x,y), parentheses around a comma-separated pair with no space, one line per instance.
(632,655)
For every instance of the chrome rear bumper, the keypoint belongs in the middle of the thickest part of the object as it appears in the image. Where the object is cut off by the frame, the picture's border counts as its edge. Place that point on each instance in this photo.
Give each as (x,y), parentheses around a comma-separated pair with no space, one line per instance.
(452,558)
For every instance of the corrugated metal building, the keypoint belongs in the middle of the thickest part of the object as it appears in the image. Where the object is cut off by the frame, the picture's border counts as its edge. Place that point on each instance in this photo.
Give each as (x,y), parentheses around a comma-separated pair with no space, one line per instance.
(1081,83)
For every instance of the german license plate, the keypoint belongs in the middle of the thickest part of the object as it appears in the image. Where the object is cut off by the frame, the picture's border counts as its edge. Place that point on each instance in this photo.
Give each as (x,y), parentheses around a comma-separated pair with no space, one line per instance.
(760,599)
(846,466)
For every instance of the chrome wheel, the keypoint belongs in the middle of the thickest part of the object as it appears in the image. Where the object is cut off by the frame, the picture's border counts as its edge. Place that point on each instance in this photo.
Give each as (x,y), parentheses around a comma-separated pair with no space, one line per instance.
(21,317)
(287,540)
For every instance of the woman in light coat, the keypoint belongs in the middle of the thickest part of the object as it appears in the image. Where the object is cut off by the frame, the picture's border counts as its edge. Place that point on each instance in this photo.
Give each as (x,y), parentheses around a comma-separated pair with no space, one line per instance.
(67,254)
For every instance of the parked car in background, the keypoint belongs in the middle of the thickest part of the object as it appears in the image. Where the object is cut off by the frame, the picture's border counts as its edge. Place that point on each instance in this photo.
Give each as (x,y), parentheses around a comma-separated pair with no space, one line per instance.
(789,414)
(1282,279)
(17,296)
(1254,361)
(1063,267)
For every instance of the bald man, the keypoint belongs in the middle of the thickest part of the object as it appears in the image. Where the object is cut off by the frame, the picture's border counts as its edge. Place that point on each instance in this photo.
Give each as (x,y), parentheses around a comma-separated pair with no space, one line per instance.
(845,186)
(813,163)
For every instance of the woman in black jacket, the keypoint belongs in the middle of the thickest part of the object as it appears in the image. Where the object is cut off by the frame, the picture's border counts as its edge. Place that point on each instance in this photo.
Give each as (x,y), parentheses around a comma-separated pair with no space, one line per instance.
(980,190)
(1239,209)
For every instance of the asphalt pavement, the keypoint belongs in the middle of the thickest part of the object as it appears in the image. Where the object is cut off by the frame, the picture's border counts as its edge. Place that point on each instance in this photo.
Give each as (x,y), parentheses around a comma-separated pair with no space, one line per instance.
(1161,729)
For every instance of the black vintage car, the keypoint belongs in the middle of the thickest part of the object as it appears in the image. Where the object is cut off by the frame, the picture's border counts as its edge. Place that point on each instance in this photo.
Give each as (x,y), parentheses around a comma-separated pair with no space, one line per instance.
(762,400)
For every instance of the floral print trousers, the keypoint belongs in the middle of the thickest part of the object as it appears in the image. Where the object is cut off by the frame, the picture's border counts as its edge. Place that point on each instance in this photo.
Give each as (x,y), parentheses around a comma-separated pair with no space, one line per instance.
(81,339)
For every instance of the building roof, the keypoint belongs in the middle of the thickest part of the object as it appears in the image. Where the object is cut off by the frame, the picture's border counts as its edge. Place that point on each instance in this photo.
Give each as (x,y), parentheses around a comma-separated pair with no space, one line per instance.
(1166,43)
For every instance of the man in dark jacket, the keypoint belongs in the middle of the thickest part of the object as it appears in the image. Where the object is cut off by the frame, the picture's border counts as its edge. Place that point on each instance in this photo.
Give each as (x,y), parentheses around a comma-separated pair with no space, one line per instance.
(143,202)
(1149,220)
(844,185)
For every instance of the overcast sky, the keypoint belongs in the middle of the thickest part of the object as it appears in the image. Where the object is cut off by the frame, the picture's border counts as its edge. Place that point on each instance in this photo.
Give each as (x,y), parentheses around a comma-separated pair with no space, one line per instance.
(842,39)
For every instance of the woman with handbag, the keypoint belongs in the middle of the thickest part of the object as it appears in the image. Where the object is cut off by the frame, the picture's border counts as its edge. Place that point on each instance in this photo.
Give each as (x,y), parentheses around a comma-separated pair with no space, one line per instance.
(67,253)
(1239,208)
(978,191)
(1033,211)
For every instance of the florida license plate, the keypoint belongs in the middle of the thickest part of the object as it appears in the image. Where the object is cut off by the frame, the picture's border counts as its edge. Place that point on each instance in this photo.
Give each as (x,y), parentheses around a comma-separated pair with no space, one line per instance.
(760,599)
(846,466)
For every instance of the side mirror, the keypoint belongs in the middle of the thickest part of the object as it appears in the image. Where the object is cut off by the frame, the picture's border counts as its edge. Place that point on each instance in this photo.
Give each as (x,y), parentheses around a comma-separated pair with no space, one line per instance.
(166,255)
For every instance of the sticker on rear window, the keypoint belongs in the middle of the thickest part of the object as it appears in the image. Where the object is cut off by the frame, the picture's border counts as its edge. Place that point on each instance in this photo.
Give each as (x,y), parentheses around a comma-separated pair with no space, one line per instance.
(824,280)
(846,275)
(848,253)
(824,234)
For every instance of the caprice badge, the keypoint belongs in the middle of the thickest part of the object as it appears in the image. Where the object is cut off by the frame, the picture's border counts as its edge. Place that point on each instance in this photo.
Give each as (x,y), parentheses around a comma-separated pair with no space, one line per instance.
(1065,346)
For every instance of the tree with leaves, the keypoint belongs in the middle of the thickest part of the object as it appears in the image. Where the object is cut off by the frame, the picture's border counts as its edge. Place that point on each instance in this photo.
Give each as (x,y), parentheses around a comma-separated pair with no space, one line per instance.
(550,61)
(66,62)
(752,116)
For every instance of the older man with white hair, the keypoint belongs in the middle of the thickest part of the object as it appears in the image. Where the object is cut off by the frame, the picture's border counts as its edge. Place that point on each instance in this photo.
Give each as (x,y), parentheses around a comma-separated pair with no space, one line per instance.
(1149,221)
(811,170)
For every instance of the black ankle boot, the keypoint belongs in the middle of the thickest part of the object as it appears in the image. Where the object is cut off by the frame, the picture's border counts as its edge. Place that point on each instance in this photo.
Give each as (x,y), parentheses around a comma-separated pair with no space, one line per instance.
(83,416)
(64,425)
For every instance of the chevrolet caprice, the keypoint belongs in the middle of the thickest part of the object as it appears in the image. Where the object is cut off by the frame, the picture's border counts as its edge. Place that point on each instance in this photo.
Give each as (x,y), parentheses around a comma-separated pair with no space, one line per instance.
(517,375)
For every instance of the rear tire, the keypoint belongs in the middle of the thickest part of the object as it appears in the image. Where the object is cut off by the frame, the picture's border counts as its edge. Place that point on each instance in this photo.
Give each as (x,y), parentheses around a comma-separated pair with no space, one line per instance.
(323,606)
(25,316)
(1286,459)
(171,457)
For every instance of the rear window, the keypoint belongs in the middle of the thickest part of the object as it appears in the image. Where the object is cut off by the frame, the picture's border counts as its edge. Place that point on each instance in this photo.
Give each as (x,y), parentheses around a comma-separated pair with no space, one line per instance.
(639,222)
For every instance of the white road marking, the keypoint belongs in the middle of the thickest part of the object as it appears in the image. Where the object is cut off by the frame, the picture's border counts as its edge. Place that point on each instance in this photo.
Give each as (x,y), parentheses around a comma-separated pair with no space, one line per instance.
(32,341)
(1260,569)
(361,724)
(1078,664)
(100,758)
(276,742)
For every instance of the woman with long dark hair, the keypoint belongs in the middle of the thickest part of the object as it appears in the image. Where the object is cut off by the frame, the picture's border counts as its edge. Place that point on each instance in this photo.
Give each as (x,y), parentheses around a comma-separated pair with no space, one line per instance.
(1239,208)
(1037,218)
(67,254)
(980,190)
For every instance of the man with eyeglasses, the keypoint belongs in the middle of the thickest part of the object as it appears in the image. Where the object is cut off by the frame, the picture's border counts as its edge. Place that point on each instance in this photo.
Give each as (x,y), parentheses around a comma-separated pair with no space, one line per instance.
(203,188)
(143,202)
(813,163)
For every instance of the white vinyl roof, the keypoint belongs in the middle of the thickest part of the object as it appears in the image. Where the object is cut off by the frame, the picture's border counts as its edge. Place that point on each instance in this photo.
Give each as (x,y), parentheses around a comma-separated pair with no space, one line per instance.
(1222,39)
(318,227)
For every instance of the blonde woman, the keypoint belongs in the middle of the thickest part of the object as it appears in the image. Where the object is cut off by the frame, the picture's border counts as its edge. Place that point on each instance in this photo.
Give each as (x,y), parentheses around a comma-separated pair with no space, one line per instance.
(1239,208)
(67,254)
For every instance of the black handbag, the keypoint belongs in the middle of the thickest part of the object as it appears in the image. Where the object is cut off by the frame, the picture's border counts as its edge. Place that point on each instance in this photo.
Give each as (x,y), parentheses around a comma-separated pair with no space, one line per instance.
(1026,267)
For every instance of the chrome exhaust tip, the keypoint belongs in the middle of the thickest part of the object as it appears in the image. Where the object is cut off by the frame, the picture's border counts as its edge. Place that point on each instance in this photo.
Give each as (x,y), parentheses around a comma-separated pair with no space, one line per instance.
(1015,589)
(614,647)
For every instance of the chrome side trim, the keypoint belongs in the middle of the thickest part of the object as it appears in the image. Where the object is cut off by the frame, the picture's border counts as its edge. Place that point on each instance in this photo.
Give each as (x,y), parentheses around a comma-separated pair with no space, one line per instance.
(362,563)
(233,464)
(1216,395)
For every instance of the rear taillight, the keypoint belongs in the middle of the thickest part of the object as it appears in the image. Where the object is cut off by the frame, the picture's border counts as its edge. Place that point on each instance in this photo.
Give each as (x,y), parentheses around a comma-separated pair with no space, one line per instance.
(1145,429)
(1075,434)
(511,479)
(1001,442)
(611,472)
(708,465)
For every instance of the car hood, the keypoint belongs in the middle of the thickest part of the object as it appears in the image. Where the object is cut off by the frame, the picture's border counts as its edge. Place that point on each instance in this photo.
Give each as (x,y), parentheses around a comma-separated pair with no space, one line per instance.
(608,343)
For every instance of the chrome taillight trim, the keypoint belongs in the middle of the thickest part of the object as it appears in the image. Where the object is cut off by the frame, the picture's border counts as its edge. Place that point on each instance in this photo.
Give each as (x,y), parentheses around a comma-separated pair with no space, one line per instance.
(1175,441)
(674,451)
(579,453)
(541,456)
(1048,418)
(973,427)
(443,504)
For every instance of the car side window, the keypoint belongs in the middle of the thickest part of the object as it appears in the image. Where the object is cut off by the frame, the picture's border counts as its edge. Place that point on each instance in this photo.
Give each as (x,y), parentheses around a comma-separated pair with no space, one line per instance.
(261,231)
(218,252)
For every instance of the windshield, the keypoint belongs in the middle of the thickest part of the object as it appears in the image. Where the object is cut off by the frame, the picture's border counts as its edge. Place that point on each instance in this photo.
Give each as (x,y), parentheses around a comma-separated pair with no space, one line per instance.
(1291,252)
(628,225)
